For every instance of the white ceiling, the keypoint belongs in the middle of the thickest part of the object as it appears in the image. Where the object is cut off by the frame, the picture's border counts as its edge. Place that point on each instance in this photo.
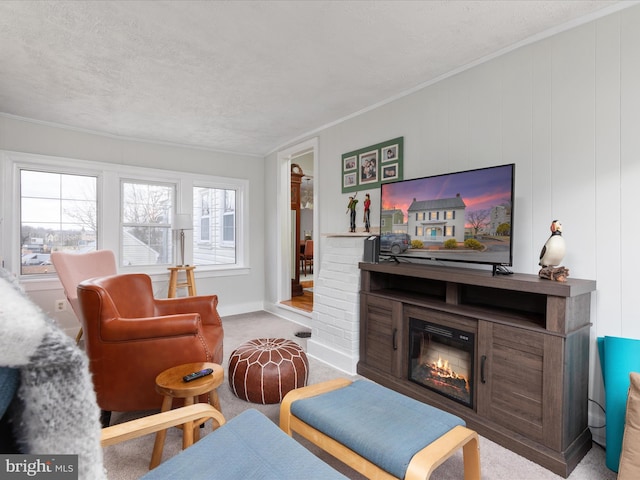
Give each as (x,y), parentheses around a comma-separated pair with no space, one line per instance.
(245,76)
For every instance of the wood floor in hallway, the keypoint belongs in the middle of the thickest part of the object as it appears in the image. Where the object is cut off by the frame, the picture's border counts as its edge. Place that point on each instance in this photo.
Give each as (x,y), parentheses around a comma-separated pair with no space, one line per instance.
(304,301)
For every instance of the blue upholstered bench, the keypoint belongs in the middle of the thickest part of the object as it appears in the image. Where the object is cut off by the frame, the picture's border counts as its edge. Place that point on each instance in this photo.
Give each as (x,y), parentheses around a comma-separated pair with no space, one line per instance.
(377,431)
(249,446)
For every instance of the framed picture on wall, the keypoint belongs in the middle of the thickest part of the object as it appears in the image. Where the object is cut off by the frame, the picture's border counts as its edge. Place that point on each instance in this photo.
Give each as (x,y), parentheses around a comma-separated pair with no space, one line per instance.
(390,172)
(368,167)
(390,153)
(350,163)
(349,180)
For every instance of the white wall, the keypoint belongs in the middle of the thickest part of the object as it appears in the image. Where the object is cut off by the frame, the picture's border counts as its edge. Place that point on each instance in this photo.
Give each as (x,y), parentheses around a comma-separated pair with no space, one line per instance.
(237,293)
(566,110)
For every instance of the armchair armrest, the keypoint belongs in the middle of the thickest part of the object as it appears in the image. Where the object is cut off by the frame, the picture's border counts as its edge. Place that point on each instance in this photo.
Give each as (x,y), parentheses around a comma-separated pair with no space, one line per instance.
(205,305)
(127,329)
(159,421)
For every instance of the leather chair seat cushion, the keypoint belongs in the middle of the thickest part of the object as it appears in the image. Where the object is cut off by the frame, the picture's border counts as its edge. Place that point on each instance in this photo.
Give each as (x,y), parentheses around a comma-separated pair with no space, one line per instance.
(249,446)
(266,369)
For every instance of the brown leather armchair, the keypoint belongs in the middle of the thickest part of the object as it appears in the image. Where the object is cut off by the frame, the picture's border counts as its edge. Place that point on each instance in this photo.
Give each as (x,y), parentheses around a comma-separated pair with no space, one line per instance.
(130,337)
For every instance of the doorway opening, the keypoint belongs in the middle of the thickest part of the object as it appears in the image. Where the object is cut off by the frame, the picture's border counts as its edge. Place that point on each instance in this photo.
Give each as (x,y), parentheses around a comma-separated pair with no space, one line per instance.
(298,226)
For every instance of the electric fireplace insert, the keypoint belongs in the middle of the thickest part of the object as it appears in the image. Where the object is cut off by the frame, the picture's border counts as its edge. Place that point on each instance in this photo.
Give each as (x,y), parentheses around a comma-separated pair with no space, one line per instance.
(441,359)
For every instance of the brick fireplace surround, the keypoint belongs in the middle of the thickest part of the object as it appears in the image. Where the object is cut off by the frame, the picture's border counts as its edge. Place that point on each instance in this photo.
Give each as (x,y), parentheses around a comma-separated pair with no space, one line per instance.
(336,302)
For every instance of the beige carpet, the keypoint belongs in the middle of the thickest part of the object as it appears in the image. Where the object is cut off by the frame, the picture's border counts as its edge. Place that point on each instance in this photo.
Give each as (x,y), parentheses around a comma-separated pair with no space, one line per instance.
(130,460)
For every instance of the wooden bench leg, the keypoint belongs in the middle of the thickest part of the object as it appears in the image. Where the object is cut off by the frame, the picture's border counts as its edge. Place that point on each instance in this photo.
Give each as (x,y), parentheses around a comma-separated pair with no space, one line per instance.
(437,452)
(173,284)
(158,445)
(191,283)
(214,400)
(471,456)
(191,430)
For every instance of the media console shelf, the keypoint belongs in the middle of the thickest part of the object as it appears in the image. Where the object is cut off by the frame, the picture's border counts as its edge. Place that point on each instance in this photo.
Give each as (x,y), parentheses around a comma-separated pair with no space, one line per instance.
(531,365)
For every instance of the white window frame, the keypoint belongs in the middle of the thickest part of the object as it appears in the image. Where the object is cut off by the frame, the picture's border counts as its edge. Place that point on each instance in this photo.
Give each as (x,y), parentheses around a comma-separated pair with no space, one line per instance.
(241,187)
(109,218)
(235,221)
(207,216)
(122,180)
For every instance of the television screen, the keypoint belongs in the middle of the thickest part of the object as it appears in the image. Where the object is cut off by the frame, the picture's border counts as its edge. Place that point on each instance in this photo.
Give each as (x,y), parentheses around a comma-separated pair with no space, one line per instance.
(461,217)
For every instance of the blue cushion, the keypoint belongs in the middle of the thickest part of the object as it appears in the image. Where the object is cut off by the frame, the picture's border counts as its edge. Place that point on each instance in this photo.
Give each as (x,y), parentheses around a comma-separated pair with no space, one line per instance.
(249,446)
(9,379)
(383,426)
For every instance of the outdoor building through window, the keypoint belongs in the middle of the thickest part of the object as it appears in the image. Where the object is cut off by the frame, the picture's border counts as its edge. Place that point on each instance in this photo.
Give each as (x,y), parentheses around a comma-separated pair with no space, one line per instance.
(58,211)
(214,216)
(146,223)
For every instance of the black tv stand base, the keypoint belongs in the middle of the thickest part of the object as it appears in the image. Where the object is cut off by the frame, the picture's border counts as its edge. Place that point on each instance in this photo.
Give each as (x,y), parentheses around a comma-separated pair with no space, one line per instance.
(390,258)
(501,270)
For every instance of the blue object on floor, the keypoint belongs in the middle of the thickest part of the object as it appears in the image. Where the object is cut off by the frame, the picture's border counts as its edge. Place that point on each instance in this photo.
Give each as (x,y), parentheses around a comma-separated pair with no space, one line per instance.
(618,358)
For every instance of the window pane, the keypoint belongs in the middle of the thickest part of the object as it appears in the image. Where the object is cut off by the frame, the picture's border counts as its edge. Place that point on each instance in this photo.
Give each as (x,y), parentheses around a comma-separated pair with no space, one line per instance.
(146,223)
(144,245)
(205,231)
(214,214)
(229,228)
(40,210)
(57,212)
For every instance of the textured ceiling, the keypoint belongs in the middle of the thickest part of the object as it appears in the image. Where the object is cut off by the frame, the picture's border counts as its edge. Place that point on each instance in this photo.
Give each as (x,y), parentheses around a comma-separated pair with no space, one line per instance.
(243,76)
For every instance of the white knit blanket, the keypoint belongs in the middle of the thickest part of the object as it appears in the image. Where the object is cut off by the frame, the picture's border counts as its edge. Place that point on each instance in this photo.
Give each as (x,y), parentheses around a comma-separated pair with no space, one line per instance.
(56,412)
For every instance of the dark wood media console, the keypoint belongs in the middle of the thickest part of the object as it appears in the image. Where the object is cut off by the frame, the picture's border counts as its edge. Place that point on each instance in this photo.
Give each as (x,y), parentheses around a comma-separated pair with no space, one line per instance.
(531,353)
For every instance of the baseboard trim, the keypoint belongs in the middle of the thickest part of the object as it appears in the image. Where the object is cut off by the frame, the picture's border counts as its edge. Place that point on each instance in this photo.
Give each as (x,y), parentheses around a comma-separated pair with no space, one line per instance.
(237,309)
(330,356)
(289,313)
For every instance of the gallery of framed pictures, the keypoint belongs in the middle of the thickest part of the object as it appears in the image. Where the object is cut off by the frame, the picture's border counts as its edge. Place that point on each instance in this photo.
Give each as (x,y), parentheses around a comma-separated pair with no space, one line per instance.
(368,167)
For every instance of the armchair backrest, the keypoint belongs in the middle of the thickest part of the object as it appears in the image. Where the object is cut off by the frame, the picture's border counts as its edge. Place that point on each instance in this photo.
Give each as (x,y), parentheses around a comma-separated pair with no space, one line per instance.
(73,268)
(126,295)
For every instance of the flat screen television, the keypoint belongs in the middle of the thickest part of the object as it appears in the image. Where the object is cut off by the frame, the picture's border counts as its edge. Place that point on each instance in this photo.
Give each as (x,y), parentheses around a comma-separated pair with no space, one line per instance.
(462,216)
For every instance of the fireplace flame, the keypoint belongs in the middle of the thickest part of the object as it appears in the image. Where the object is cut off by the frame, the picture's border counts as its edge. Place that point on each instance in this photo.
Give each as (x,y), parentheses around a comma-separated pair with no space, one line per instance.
(430,369)
(442,365)
(445,371)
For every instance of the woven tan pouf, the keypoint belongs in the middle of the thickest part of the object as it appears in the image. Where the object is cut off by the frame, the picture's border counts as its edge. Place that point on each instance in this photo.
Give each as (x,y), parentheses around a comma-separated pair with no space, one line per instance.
(266,369)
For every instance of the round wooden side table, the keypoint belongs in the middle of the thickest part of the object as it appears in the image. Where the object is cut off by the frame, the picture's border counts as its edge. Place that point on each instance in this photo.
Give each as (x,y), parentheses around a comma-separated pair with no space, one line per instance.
(171,385)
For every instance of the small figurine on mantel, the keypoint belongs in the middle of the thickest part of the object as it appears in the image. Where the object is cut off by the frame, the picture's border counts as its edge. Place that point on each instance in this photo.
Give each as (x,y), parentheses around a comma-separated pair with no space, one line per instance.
(367,212)
(552,254)
(351,210)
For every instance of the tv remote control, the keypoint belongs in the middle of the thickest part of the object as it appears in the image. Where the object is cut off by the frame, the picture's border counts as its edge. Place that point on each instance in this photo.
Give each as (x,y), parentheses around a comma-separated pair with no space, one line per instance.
(194,375)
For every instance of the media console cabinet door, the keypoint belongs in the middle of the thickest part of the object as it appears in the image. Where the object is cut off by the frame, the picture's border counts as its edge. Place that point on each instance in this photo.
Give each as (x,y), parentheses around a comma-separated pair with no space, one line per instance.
(381,334)
(520,383)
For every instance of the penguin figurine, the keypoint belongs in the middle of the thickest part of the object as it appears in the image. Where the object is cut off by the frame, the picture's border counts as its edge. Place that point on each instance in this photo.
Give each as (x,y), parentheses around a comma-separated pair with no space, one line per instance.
(553,251)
